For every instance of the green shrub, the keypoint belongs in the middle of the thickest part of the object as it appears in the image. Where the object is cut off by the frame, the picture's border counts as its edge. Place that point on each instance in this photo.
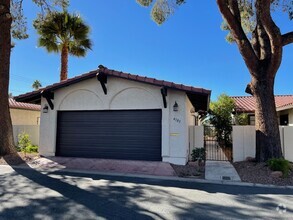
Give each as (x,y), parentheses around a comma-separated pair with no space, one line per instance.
(280,164)
(25,145)
(32,149)
(198,154)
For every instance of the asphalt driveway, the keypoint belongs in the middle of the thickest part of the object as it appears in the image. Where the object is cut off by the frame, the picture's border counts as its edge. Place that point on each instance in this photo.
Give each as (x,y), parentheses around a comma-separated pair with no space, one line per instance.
(29,194)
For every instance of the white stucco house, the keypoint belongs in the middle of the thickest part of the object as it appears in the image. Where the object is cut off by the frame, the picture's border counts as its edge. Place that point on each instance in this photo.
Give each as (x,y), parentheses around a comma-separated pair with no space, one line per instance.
(115,115)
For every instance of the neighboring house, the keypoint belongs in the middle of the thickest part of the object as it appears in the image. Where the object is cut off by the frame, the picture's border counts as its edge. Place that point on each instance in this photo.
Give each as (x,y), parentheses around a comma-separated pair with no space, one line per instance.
(115,115)
(25,118)
(24,113)
(284,107)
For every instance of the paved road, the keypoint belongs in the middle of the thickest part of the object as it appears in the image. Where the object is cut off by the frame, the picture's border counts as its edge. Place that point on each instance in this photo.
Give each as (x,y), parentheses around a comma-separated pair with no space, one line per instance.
(28,194)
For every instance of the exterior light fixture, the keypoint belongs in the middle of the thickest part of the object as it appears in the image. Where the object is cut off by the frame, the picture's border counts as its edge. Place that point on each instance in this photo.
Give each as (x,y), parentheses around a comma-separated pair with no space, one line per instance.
(45,109)
(175,107)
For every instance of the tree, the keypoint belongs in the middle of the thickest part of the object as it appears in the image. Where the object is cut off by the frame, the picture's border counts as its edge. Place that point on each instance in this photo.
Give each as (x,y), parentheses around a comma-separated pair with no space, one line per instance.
(12,23)
(64,33)
(241,119)
(36,85)
(220,116)
(260,42)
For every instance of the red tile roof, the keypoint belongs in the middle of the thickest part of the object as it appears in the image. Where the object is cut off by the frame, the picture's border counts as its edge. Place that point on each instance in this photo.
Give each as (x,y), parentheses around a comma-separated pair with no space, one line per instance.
(247,103)
(23,105)
(36,95)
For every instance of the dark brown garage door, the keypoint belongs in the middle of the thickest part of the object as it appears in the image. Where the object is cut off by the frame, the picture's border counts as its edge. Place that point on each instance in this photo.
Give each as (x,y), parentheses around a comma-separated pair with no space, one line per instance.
(121,134)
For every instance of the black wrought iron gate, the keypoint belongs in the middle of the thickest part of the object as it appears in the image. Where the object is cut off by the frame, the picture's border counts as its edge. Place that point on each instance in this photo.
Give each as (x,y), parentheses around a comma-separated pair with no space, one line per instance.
(215,149)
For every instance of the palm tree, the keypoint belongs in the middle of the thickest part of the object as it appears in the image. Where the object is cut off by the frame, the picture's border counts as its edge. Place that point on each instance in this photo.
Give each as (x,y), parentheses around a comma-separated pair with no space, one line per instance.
(36,85)
(64,33)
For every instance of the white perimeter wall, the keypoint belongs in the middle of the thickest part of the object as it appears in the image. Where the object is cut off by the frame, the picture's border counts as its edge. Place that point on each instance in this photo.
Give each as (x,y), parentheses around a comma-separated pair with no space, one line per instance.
(196,138)
(244,142)
(31,130)
(122,94)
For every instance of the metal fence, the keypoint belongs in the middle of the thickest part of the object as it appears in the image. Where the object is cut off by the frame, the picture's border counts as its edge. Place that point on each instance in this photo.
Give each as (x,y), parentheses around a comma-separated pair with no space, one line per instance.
(216,149)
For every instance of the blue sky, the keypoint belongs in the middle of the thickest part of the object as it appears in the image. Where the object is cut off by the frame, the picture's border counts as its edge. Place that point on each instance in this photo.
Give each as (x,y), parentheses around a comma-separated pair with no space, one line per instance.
(189,48)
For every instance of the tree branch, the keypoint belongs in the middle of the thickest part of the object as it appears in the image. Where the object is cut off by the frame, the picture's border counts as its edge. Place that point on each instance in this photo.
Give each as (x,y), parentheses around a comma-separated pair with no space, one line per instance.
(263,8)
(287,38)
(233,5)
(255,43)
(245,48)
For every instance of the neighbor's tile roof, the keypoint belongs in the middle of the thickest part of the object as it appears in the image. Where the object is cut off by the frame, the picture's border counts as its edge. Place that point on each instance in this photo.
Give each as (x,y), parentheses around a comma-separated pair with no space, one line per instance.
(35,95)
(247,103)
(23,105)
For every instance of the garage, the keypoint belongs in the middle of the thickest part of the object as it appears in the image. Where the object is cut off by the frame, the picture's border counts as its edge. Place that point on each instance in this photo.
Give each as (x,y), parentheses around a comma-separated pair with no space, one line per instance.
(110,134)
(111,114)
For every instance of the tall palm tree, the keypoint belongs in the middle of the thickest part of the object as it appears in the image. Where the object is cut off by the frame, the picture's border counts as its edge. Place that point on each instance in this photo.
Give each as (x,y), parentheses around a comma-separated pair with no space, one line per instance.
(36,85)
(64,33)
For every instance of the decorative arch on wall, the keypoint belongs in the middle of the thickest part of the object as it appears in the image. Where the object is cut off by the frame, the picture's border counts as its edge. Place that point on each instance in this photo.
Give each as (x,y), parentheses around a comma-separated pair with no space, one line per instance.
(135,98)
(81,99)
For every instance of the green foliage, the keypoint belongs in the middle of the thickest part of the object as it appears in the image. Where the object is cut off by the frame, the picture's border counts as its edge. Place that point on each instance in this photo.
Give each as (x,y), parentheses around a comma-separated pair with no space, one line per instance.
(198,154)
(19,20)
(144,3)
(161,9)
(242,119)
(23,142)
(25,145)
(32,149)
(61,29)
(36,84)
(280,164)
(221,117)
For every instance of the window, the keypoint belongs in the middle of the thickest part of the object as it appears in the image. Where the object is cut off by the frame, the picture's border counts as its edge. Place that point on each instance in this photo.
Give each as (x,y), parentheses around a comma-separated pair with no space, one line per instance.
(284,119)
(251,119)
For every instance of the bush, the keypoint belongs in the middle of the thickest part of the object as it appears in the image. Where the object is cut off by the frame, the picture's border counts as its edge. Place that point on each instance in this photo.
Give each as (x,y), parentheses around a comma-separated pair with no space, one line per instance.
(32,149)
(25,145)
(198,154)
(280,164)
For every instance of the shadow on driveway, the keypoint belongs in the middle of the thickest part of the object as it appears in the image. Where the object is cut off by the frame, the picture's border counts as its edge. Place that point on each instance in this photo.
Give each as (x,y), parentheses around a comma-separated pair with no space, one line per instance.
(166,199)
(103,206)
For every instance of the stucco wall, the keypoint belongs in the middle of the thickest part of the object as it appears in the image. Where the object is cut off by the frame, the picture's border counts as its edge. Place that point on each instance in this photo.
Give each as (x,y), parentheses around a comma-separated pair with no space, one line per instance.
(196,138)
(122,94)
(32,130)
(244,142)
(24,117)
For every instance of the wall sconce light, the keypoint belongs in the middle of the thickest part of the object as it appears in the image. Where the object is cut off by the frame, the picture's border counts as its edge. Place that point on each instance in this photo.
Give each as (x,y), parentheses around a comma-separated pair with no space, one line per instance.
(175,107)
(45,109)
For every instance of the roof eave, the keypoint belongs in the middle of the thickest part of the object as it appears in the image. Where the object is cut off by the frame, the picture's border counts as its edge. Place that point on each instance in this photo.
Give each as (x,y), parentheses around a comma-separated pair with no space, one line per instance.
(282,108)
(35,96)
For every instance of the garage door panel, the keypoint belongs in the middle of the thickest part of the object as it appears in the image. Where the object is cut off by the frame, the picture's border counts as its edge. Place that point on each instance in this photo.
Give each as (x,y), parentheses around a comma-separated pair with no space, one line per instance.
(126,134)
(109,131)
(83,141)
(123,150)
(107,153)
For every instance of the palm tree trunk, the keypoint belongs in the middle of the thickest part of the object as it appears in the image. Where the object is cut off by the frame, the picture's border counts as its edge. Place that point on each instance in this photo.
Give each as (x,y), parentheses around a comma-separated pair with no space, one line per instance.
(64,63)
(6,136)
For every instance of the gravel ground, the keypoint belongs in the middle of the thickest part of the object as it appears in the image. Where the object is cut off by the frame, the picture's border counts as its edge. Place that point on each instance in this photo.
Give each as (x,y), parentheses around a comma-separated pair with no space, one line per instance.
(18,159)
(189,170)
(253,172)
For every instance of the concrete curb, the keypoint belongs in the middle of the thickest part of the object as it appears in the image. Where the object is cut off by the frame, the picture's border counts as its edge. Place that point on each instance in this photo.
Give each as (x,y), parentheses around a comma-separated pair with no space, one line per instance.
(172,178)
